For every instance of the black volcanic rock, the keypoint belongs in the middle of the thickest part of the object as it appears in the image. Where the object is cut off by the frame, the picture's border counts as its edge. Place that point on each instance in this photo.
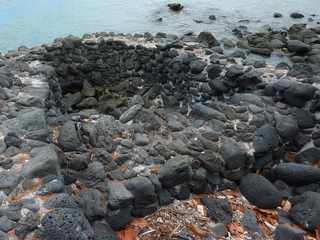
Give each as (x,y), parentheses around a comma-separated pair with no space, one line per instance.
(260,192)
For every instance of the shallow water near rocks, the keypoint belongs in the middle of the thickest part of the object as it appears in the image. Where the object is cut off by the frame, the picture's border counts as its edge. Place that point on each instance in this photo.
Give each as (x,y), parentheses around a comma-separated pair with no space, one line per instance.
(35,22)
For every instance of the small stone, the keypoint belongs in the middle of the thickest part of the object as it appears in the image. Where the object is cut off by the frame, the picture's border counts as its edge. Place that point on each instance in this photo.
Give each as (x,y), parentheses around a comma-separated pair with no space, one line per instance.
(176,7)
(277,15)
(296,15)
(212,17)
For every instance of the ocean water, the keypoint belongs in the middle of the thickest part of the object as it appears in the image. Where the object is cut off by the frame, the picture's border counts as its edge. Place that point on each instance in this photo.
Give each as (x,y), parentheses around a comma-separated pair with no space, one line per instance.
(33,22)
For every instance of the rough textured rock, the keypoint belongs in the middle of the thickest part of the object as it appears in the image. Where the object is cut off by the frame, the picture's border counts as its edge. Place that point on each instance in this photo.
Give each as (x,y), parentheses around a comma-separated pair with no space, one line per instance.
(306,210)
(208,39)
(233,153)
(298,46)
(175,171)
(260,192)
(118,195)
(69,138)
(66,223)
(93,204)
(285,231)
(45,160)
(297,174)
(218,209)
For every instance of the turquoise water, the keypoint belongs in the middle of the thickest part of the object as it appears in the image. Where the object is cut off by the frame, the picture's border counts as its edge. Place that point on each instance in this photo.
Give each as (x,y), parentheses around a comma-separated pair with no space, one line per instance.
(32,22)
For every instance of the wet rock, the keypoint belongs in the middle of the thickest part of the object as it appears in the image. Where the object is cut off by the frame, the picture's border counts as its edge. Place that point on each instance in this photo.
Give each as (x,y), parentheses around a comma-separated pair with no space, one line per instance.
(93,204)
(175,171)
(212,17)
(69,138)
(65,223)
(297,174)
(197,66)
(219,210)
(102,231)
(62,200)
(234,155)
(277,15)
(286,125)
(208,39)
(118,195)
(207,113)
(176,7)
(260,192)
(298,47)
(306,210)
(309,153)
(130,113)
(296,15)
(45,160)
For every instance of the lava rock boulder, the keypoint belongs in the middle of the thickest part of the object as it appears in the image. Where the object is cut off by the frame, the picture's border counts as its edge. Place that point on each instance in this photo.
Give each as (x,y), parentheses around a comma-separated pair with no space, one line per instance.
(260,192)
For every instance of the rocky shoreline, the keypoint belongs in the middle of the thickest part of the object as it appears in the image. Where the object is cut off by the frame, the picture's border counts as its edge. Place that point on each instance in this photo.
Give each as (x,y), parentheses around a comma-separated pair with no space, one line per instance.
(99,130)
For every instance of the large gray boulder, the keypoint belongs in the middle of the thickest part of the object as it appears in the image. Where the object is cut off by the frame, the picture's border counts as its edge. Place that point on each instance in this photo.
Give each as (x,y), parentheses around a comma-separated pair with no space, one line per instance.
(175,171)
(45,161)
(69,138)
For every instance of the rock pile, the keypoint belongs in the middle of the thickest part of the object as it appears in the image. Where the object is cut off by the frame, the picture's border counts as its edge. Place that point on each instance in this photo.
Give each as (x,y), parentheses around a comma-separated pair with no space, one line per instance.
(97,130)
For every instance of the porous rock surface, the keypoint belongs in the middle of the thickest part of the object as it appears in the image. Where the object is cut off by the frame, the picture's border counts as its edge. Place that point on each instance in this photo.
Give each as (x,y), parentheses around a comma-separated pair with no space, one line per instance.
(97,130)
